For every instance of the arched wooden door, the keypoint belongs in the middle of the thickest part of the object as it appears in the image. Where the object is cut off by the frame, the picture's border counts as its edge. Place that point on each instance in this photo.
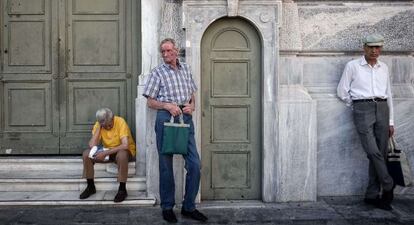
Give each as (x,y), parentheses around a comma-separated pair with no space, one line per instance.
(231,111)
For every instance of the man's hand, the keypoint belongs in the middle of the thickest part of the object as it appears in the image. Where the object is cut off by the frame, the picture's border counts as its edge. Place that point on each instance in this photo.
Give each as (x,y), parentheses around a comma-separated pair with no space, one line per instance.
(391,131)
(188,108)
(173,109)
(100,156)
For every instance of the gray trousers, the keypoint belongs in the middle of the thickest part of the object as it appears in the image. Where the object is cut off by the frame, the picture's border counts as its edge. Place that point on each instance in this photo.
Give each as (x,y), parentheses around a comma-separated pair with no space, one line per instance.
(372,123)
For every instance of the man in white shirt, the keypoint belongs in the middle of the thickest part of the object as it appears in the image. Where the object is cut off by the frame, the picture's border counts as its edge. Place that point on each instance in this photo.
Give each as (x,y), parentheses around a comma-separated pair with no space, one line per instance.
(365,86)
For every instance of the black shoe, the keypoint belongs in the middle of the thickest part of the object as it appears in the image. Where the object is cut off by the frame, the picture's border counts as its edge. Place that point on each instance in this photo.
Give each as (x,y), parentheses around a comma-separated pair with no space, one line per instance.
(384,206)
(388,196)
(195,214)
(372,201)
(88,192)
(386,199)
(120,196)
(169,216)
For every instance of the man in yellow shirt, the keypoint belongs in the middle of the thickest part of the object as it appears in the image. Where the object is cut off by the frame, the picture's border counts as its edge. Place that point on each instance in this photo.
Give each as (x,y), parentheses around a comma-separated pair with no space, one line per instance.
(113,142)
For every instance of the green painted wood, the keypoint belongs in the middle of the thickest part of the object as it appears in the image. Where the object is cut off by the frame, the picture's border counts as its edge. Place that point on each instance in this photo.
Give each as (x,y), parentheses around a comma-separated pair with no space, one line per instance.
(231,111)
(63,60)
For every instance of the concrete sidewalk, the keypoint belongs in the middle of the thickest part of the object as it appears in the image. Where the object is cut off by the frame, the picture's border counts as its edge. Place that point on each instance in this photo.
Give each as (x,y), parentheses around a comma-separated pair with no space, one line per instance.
(327,210)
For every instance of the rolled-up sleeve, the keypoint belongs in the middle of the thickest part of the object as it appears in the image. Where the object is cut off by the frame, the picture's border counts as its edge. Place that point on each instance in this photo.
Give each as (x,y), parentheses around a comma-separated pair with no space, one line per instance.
(152,87)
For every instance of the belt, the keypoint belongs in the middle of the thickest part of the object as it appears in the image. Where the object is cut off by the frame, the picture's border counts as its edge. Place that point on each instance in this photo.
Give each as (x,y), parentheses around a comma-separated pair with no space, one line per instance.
(370,100)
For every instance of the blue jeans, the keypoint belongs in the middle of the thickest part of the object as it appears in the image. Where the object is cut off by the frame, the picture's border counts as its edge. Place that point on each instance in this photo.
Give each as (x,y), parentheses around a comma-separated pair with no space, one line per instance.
(192,166)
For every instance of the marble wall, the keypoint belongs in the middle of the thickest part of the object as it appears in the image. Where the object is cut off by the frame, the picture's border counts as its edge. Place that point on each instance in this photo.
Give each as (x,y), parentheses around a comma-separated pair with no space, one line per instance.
(326,35)
(312,148)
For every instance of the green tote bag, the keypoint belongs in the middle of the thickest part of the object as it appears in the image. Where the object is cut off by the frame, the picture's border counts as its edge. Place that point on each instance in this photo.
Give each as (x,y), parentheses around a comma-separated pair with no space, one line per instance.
(175,139)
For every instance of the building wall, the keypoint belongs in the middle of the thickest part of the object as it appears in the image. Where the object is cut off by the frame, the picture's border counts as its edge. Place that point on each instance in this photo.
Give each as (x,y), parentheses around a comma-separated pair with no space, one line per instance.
(315,40)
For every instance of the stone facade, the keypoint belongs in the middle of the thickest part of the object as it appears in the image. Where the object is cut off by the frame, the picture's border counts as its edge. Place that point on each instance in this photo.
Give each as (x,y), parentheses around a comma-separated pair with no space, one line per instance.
(310,147)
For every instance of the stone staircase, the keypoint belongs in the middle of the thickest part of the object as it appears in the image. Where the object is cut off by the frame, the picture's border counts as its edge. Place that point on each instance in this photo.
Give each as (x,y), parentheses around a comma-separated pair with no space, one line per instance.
(58,181)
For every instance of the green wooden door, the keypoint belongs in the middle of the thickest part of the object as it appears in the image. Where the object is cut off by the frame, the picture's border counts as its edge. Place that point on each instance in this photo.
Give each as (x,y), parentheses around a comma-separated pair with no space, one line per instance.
(231,111)
(61,61)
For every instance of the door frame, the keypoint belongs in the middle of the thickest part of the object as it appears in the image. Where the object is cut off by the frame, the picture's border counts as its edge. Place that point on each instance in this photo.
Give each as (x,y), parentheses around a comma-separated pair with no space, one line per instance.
(266,24)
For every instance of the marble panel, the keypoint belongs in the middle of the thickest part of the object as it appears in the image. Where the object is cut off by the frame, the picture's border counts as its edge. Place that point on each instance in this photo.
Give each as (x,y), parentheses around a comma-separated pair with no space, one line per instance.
(297,145)
(147,158)
(327,71)
(401,69)
(291,70)
(290,39)
(404,128)
(342,163)
(323,71)
(340,27)
(150,25)
(141,132)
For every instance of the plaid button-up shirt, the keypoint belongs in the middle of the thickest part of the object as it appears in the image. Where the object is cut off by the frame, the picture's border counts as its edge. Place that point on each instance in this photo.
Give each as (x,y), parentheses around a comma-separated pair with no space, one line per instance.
(168,85)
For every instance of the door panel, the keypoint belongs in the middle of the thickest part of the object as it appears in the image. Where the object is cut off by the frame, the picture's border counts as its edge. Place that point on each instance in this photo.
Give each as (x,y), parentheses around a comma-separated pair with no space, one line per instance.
(98,74)
(231,109)
(61,61)
(26,36)
(27,84)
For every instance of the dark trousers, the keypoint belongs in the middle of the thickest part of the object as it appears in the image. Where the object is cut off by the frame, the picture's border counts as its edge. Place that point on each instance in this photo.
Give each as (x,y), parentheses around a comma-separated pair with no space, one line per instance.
(372,123)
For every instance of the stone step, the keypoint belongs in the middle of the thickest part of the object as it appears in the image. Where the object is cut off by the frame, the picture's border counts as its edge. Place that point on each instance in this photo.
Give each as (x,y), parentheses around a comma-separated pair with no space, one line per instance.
(58,181)
(72,198)
(67,184)
(59,174)
(55,164)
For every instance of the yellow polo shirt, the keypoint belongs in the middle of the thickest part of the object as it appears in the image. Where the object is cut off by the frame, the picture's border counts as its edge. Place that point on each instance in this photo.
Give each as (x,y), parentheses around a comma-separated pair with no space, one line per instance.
(112,138)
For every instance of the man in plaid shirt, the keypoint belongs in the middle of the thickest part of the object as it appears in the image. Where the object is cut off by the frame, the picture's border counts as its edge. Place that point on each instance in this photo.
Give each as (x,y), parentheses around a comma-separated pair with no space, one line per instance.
(170,90)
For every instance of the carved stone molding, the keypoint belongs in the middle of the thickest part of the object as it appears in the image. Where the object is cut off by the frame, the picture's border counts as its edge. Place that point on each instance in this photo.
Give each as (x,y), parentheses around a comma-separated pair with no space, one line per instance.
(232,8)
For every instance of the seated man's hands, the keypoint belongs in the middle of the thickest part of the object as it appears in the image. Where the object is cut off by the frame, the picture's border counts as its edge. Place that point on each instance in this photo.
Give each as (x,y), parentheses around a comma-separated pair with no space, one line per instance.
(100,156)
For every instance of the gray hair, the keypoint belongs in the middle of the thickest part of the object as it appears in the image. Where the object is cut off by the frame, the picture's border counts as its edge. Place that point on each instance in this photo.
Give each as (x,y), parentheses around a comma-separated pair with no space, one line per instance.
(104,115)
(172,41)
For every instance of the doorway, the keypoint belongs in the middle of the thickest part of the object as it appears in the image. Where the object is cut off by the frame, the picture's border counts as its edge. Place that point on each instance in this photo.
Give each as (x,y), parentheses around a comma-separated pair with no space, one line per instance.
(231,111)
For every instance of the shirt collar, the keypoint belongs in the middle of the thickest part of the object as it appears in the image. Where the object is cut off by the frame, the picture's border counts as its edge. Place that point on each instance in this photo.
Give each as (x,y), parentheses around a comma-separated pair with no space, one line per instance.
(169,67)
(363,62)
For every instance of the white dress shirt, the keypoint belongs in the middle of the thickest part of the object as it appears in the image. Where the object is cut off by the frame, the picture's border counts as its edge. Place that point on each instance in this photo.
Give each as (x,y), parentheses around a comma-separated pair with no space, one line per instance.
(362,81)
